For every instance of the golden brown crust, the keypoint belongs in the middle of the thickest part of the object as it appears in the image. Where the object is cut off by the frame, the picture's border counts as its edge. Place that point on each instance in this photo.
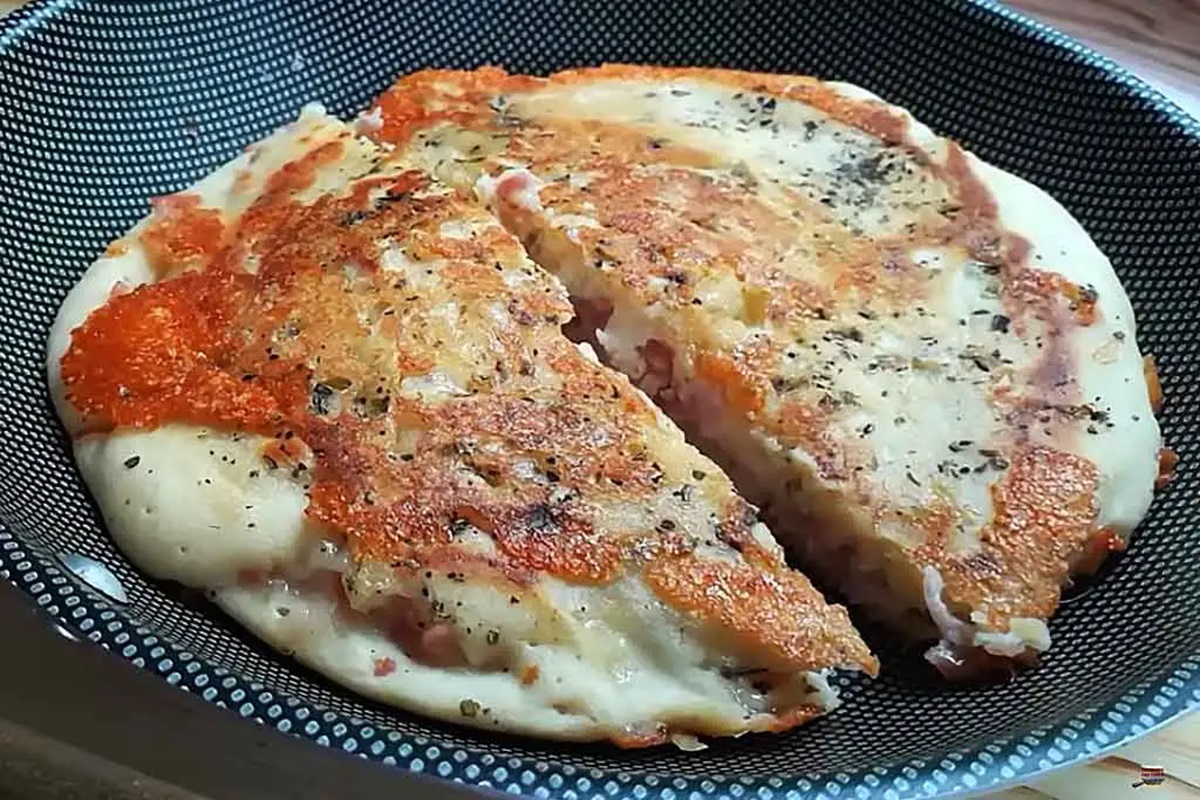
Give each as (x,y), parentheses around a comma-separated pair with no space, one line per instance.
(1153,385)
(1045,511)
(672,226)
(771,610)
(407,359)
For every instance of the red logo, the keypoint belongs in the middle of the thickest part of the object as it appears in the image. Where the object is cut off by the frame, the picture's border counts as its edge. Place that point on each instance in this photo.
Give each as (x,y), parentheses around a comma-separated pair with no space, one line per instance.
(1151,776)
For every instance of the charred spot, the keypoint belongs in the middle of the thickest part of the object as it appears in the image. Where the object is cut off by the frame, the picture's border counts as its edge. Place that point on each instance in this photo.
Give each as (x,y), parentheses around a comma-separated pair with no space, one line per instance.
(539,518)
(981,564)
(521,315)
(852,334)
(984,362)
(321,399)
(735,529)
(352,218)
(741,672)
(394,197)
(784,385)
(866,173)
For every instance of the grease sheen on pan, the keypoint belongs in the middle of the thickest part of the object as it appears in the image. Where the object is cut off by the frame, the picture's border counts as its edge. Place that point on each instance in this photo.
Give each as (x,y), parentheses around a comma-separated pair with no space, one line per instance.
(334,393)
(919,365)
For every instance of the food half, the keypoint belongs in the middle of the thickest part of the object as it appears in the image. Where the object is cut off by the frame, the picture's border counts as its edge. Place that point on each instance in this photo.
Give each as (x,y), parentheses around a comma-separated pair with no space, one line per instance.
(919,366)
(331,390)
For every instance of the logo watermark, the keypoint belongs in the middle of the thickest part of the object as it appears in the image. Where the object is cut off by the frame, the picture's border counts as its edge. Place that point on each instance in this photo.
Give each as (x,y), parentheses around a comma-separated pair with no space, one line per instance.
(1151,776)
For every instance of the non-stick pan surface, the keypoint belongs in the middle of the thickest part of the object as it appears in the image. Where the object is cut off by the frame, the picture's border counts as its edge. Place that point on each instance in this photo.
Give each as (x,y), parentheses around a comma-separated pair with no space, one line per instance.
(103,105)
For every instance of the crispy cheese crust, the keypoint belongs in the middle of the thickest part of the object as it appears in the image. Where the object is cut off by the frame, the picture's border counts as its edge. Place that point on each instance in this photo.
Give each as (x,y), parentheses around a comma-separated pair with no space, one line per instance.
(473,517)
(919,366)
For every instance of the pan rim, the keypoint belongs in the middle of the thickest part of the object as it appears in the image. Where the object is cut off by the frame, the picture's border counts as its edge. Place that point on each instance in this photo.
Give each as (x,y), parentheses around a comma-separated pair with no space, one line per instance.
(100,622)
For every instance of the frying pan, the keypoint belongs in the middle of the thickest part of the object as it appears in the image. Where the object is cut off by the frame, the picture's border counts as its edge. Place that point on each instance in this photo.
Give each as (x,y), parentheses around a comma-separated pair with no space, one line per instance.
(103,105)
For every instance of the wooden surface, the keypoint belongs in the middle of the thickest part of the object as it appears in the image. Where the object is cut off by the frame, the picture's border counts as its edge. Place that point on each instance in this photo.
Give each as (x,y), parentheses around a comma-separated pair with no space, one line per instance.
(1156,39)
(1160,41)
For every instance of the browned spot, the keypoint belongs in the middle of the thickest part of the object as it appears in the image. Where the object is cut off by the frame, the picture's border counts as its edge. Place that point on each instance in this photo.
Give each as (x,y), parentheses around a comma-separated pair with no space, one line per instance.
(1082,303)
(934,522)
(558,541)
(735,378)
(1153,384)
(431,96)
(181,234)
(801,425)
(1045,512)
(297,175)
(594,144)
(1097,549)
(1168,460)
(736,529)
(769,612)
(798,300)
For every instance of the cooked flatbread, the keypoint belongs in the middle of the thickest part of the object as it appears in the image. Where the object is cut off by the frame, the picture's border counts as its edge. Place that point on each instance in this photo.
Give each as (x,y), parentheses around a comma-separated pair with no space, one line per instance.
(919,366)
(334,392)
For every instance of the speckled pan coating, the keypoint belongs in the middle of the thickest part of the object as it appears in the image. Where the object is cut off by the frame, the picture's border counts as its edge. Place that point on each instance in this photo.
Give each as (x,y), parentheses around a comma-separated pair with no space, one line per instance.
(106,104)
